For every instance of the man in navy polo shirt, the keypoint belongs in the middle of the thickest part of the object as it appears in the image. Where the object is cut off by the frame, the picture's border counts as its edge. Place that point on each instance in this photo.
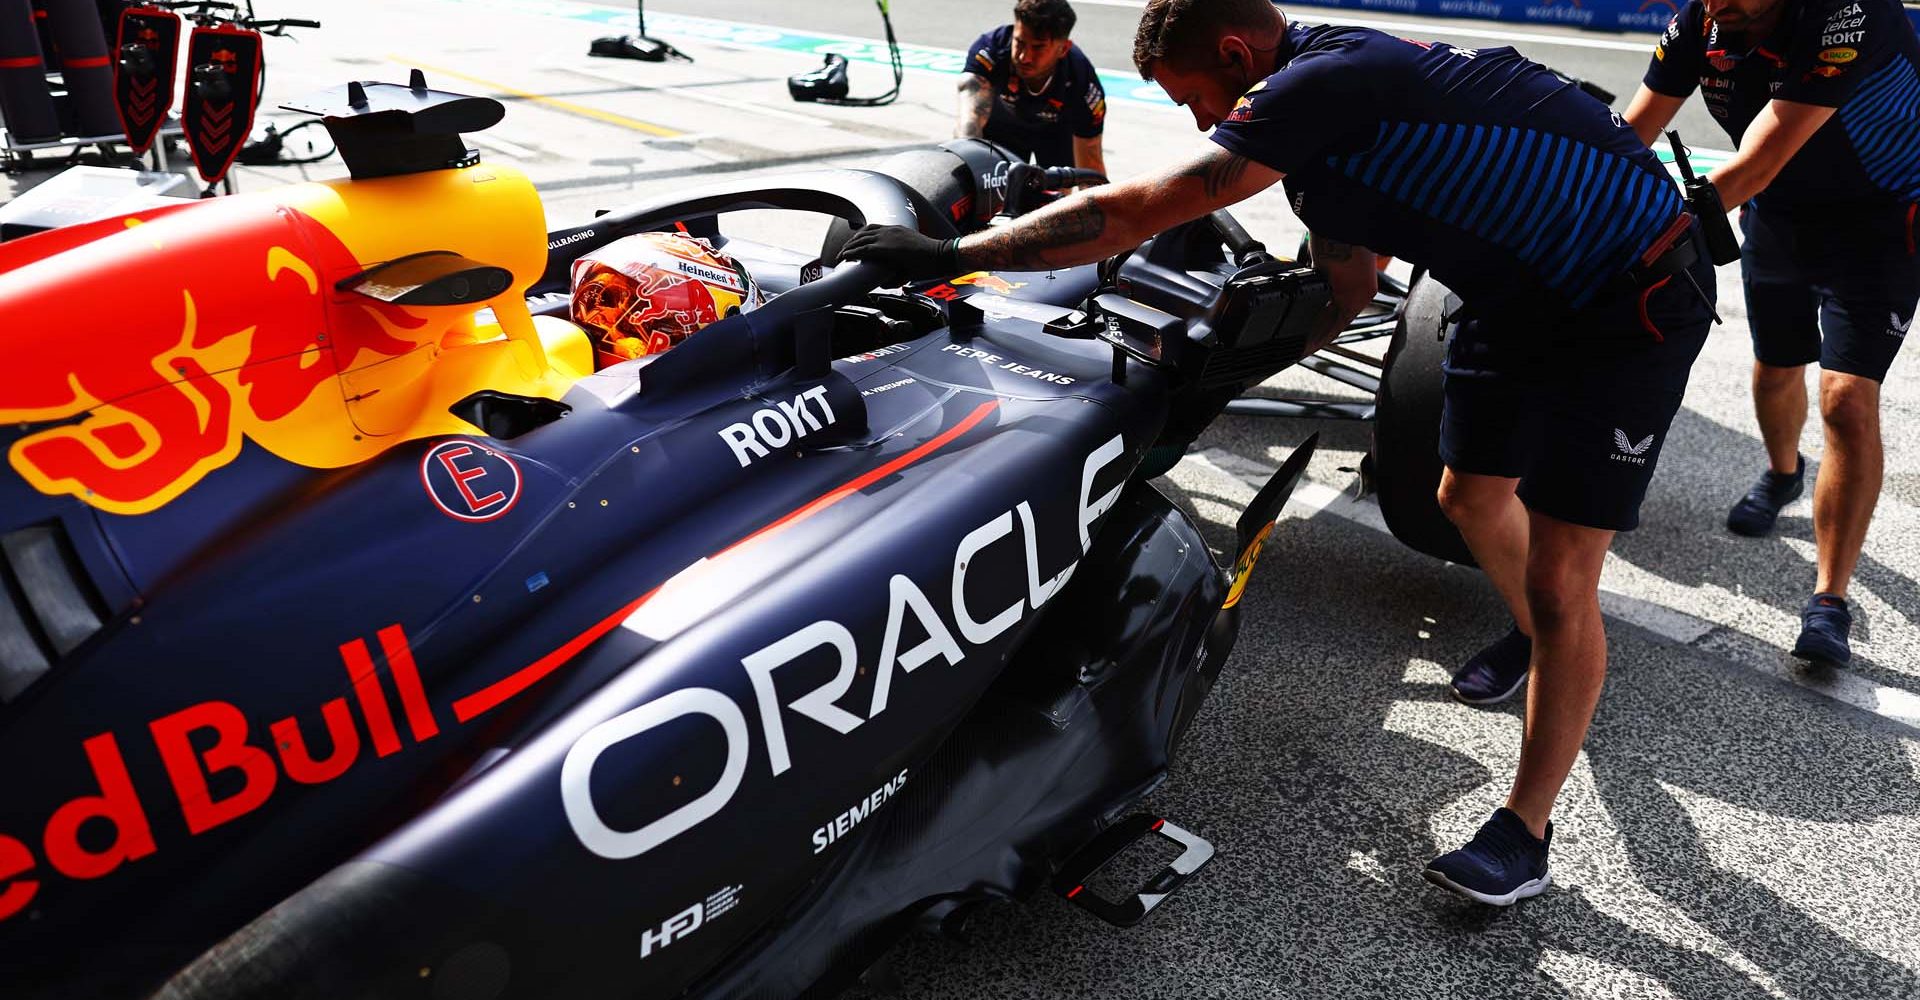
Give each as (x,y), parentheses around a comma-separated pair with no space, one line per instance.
(1822,97)
(1029,88)
(1585,298)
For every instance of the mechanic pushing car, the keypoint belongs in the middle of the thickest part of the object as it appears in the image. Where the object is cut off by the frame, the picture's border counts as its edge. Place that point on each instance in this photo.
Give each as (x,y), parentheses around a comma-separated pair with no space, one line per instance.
(1822,98)
(1027,87)
(1586,301)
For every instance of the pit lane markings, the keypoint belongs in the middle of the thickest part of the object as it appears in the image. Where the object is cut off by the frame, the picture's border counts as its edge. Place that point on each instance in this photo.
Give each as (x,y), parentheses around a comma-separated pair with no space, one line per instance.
(1892,704)
(565,107)
(701,97)
(1122,88)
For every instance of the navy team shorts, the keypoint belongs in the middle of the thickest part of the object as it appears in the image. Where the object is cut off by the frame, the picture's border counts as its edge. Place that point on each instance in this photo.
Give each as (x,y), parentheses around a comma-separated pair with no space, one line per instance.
(1577,411)
(1837,287)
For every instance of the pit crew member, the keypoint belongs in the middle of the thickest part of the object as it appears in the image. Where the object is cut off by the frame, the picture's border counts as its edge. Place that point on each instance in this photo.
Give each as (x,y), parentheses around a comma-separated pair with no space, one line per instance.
(1822,98)
(1586,302)
(1027,87)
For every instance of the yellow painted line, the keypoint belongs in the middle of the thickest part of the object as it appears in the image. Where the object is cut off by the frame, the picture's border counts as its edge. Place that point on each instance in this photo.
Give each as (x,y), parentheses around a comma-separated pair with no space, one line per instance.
(552,102)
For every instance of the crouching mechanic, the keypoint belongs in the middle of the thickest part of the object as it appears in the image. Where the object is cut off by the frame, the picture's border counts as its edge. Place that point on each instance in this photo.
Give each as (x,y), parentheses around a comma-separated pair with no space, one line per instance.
(1557,227)
(1822,97)
(1029,88)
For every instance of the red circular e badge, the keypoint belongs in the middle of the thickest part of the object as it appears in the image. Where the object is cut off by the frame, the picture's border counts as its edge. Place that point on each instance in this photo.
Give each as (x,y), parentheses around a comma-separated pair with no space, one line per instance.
(470,481)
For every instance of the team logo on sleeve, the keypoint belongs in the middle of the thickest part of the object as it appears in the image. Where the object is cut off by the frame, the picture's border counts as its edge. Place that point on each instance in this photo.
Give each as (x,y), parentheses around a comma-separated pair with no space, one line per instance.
(1845,26)
(1667,37)
(1243,109)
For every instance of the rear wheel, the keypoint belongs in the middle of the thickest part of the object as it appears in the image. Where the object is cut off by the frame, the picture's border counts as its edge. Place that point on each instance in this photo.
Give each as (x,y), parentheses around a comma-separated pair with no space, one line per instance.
(1405,459)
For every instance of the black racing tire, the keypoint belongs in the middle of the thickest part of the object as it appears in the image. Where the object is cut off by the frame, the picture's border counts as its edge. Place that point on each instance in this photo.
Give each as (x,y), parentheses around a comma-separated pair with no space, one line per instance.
(1406,432)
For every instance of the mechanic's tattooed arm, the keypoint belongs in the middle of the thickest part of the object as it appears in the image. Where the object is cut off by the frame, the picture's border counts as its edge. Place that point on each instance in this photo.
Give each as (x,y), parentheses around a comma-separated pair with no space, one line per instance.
(1217,174)
(976,107)
(1096,224)
(1057,236)
(1353,279)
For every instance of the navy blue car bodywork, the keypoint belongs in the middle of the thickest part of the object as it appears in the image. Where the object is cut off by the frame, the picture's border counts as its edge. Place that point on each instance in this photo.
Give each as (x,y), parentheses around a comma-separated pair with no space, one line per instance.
(735,665)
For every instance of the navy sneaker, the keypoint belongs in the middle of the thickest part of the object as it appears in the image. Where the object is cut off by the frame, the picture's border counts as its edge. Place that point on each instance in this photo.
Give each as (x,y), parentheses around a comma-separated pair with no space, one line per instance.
(1823,631)
(1500,866)
(1496,672)
(1754,515)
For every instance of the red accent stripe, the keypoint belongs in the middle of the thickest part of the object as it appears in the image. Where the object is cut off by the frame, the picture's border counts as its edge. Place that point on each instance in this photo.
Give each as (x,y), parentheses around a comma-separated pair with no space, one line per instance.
(873,476)
(20,62)
(1911,209)
(493,695)
(1076,891)
(373,701)
(1157,824)
(1646,320)
(90,62)
(406,677)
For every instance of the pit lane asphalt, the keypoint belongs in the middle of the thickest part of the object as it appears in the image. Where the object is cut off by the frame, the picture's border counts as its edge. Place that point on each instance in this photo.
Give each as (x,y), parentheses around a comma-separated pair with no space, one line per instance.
(1730,832)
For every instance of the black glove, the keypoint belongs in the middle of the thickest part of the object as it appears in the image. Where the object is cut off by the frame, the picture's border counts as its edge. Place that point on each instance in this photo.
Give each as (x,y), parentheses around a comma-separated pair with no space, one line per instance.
(909,254)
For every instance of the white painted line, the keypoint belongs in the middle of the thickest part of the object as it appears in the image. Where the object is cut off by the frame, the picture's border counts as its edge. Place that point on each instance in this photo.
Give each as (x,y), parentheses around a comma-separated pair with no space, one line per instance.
(1314,15)
(1851,689)
(501,146)
(701,97)
(1662,621)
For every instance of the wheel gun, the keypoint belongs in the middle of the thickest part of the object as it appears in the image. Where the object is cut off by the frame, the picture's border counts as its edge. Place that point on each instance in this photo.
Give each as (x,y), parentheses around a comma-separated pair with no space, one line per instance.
(1703,200)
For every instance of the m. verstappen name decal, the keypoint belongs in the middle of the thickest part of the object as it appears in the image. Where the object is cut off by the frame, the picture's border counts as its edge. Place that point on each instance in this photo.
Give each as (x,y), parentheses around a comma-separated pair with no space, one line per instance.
(971,628)
(208,745)
(843,824)
(778,426)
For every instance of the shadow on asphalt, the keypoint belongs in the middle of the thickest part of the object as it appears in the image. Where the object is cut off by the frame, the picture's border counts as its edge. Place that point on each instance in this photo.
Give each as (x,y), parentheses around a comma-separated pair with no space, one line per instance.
(1330,746)
(1683,537)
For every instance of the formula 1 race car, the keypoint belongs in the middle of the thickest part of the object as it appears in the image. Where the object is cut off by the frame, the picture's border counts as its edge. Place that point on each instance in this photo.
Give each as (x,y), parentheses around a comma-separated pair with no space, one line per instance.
(363,635)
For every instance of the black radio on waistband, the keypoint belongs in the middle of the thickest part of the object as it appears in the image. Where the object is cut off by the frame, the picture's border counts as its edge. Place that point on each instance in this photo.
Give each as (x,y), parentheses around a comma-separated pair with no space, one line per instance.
(1704,201)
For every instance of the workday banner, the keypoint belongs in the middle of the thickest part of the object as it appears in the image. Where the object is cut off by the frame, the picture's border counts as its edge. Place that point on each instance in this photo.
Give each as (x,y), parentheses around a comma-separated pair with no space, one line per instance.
(1600,15)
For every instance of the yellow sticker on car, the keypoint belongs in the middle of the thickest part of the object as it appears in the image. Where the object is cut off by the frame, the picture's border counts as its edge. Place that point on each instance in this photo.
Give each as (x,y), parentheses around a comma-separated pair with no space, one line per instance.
(1243,567)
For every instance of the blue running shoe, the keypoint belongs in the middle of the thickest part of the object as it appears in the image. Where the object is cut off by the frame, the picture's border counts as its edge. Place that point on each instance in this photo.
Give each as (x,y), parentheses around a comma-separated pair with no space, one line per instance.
(1496,672)
(1756,512)
(1823,631)
(1500,866)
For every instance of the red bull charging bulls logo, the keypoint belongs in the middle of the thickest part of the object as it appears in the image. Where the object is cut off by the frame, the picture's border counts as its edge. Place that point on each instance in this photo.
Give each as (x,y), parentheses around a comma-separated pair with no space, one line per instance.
(149,353)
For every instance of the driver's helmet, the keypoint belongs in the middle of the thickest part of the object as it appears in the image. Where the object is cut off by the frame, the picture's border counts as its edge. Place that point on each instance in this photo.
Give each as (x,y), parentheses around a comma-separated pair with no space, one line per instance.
(645,293)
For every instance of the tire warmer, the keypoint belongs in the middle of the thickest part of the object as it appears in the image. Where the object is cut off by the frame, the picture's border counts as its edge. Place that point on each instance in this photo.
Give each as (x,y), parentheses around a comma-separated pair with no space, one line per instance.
(148,50)
(84,65)
(25,102)
(223,92)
